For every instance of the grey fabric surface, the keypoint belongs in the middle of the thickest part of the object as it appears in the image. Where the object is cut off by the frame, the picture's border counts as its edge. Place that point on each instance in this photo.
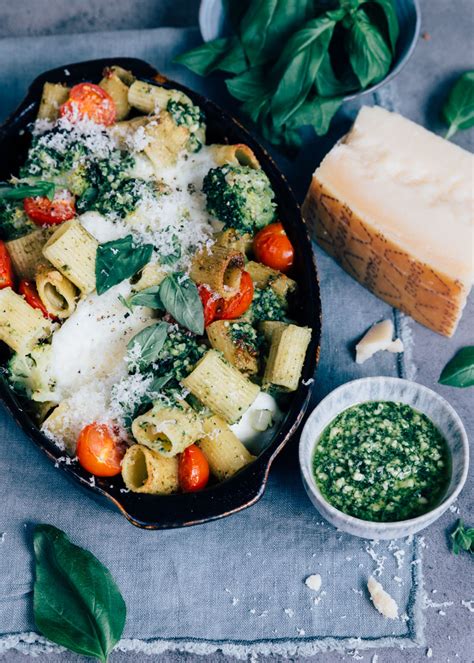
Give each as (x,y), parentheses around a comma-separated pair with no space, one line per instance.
(281,545)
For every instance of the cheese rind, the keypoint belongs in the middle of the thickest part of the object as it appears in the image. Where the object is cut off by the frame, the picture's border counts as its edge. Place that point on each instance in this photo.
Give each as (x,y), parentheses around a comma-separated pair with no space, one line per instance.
(393,204)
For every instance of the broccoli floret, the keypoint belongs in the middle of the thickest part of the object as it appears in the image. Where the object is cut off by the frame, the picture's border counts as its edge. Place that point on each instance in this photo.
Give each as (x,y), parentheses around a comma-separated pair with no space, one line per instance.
(240,196)
(266,305)
(120,199)
(14,221)
(28,374)
(192,117)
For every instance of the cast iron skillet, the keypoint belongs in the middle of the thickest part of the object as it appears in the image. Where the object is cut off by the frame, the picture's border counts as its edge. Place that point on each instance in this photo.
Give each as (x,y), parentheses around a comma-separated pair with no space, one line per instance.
(247,486)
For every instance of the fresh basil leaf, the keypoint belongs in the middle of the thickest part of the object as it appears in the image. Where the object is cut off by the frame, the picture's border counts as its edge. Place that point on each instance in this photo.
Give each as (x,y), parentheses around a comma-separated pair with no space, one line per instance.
(250,85)
(318,113)
(148,297)
(298,65)
(180,298)
(125,302)
(118,260)
(267,25)
(458,110)
(225,54)
(145,347)
(21,191)
(369,55)
(156,386)
(87,199)
(329,85)
(391,17)
(235,11)
(76,602)
(459,372)
(462,538)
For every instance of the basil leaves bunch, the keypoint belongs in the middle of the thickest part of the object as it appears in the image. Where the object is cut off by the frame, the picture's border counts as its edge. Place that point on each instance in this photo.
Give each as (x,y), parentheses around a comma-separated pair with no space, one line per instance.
(292,62)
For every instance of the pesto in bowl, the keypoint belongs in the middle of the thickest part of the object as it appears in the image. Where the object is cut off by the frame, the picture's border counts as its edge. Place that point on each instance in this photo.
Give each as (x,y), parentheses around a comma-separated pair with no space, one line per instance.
(382,461)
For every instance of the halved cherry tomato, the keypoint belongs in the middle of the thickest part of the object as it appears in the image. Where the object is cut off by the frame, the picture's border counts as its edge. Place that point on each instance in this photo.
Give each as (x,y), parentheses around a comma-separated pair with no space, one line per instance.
(99,450)
(193,469)
(6,269)
(46,212)
(91,101)
(209,303)
(273,248)
(29,292)
(229,309)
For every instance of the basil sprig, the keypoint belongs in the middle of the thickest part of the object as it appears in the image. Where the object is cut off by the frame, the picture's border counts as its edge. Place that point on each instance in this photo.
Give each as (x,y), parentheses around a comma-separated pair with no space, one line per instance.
(462,538)
(118,260)
(458,110)
(291,63)
(149,297)
(459,371)
(76,602)
(21,191)
(145,347)
(181,300)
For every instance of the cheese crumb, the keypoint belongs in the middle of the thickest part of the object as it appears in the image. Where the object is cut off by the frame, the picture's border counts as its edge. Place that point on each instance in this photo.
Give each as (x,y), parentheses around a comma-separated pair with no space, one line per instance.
(313,582)
(382,601)
(377,338)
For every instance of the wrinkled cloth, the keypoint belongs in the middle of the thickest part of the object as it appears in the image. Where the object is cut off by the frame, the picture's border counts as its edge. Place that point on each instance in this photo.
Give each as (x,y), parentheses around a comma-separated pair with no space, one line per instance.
(236,584)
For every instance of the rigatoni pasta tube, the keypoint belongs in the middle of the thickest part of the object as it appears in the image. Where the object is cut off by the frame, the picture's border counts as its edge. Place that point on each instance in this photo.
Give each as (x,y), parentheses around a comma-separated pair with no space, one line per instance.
(72,250)
(224,451)
(268,328)
(219,267)
(118,90)
(221,387)
(286,357)
(21,325)
(26,252)
(264,276)
(145,471)
(238,354)
(54,94)
(152,274)
(236,155)
(167,430)
(165,141)
(56,292)
(150,98)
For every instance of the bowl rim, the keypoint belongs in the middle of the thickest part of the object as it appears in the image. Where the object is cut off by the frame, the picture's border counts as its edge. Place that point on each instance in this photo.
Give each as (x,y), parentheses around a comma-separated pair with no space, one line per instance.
(207,5)
(306,452)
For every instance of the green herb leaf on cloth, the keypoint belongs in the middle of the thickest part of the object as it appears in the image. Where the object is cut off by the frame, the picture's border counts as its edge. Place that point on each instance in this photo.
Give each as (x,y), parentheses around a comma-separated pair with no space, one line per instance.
(459,371)
(458,110)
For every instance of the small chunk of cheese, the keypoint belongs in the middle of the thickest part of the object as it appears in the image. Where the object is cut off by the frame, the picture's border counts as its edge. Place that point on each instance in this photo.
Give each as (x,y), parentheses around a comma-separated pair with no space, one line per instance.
(313,582)
(382,600)
(377,338)
(393,203)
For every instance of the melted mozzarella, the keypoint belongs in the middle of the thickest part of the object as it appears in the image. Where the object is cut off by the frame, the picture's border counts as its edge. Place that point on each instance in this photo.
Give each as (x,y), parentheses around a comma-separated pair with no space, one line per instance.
(244,429)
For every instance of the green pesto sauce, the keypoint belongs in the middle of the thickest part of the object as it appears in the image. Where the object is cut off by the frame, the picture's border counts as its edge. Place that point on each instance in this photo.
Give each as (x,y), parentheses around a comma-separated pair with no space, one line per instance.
(382,461)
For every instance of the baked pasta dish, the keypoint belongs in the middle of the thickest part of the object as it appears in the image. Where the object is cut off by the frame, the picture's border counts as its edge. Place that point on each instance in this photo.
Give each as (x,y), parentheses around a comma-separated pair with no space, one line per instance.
(146,289)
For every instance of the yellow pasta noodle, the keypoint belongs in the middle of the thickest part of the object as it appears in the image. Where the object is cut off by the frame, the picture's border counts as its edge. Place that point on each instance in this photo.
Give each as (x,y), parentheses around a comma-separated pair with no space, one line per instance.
(125,76)
(152,274)
(221,387)
(118,90)
(165,141)
(224,451)
(56,292)
(72,250)
(264,276)
(268,327)
(286,356)
(236,155)
(21,326)
(167,430)
(220,267)
(145,471)
(27,251)
(238,354)
(54,94)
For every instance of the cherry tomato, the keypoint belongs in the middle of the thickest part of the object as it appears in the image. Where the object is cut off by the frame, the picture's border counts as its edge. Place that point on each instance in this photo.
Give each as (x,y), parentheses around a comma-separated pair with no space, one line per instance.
(193,469)
(229,309)
(209,303)
(99,451)
(46,212)
(273,248)
(29,292)
(6,269)
(91,101)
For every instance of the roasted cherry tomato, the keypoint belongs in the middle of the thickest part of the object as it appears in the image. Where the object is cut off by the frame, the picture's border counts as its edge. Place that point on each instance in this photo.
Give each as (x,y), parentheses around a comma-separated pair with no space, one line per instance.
(209,303)
(99,450)
(6,269)
(193,469)
(29,292)
(229,309)
(91,101)
(273,248)
(46,212)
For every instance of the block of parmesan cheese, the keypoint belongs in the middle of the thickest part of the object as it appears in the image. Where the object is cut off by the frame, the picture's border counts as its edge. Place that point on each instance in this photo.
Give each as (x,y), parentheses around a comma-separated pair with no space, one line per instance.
(393,203)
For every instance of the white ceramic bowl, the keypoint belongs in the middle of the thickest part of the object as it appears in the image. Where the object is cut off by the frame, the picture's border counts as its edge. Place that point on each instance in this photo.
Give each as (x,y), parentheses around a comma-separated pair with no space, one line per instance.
(384,389)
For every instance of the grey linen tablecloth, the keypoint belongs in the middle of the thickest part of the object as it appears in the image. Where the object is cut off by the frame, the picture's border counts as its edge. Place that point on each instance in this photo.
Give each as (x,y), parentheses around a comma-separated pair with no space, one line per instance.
(237,584)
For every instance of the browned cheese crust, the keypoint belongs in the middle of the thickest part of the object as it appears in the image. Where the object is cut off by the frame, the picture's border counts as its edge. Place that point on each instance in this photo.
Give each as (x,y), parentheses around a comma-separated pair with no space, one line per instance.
(433,299)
